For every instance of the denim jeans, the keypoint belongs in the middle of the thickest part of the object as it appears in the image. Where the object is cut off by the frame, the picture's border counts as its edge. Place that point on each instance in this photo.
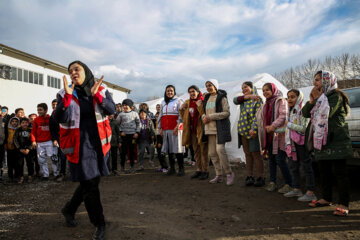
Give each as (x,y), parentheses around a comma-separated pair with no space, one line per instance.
(279,160)
(303,159)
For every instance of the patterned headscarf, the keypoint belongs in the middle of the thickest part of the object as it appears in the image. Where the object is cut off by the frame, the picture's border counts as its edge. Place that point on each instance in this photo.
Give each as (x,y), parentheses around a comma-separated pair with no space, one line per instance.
(321,110)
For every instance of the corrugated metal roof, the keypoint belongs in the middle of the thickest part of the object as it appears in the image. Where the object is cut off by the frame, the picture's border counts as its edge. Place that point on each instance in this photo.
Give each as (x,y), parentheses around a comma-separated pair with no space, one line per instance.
(12,52)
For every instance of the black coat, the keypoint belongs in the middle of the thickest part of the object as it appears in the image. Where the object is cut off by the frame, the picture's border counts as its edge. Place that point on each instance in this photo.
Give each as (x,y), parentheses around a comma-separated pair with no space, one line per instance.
(223,126)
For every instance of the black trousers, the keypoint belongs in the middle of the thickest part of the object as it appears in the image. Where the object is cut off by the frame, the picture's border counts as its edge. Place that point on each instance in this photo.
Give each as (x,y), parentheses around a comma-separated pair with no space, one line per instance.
(128,143)
(114,156)
(88,191)
(330,169)
(180,160)
(19,167)
(63,159)
(11,163)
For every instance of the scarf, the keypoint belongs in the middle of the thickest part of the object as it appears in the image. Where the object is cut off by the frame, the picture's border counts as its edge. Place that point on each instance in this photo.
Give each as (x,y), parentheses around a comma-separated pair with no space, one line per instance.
(194,113)
(85,87)
(292,136)
(268,113)
(321,110)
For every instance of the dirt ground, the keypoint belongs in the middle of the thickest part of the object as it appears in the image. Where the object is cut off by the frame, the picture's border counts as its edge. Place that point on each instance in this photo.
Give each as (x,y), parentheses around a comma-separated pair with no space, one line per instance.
(150,205)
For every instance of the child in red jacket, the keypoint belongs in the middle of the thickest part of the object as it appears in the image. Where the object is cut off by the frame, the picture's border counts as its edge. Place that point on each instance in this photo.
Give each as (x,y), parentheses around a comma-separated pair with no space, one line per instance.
(41,139)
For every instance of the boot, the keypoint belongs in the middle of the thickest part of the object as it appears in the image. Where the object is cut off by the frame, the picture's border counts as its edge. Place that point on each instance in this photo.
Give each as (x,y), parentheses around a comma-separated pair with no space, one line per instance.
(180,160)
(99,233)
(69,218)
(204,176)
(181,172)
(172,170)
(197,174)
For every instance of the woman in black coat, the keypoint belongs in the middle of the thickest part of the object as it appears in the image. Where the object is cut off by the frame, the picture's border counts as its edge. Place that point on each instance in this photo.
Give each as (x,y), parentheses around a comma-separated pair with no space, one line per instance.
(82,112)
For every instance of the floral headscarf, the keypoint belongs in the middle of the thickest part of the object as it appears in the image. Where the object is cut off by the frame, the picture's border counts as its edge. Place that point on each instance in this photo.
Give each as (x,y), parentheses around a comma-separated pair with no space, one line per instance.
(321,110)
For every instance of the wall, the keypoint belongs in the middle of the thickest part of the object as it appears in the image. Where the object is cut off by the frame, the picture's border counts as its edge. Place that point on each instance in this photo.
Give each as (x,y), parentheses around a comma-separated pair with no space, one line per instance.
(15,94)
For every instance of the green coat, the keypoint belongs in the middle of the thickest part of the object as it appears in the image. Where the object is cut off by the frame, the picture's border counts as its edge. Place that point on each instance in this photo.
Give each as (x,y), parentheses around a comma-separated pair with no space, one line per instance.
(338,144)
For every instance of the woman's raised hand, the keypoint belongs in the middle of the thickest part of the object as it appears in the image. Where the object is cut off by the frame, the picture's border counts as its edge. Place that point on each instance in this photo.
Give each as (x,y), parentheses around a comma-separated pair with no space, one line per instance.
(66,86)
(96,86)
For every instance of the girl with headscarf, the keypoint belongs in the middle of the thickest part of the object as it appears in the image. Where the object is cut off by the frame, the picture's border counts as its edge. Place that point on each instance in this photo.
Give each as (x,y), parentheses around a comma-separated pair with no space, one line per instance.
(295,128)
(85,134)
(328,136)
(249,103)
(170,126)
(271,116)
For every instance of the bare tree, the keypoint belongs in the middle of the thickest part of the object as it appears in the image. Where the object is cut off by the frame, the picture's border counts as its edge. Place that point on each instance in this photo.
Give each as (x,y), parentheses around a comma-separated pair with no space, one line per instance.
(308,70)
(343,66)
(329,64)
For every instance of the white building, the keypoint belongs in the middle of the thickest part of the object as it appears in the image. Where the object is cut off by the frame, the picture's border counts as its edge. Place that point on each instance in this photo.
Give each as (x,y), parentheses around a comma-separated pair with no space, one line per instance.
(27,80)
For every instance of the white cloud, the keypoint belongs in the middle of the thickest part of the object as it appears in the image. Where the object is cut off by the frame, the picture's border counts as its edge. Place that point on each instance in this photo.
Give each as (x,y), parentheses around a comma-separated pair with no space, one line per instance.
(147,44)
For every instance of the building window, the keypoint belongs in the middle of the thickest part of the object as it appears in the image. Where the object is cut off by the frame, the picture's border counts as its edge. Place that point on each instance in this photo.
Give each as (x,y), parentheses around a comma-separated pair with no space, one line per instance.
(26,76)
(48,81)
(58,85)
(20,74)
(13,73)
(31,77)
(36,78)
(41,79)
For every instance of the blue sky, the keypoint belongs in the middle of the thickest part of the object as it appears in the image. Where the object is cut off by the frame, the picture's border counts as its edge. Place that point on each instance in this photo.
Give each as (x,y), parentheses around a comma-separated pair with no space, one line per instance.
(145,45)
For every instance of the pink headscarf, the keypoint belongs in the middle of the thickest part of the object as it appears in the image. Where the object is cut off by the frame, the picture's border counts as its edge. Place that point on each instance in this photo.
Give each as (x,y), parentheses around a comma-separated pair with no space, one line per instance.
(268,113)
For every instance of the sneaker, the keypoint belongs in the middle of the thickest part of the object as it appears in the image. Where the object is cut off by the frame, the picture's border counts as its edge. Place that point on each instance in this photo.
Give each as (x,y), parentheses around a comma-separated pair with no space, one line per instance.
(293,193)
(285,189)
(307,197)
(271,187)
(230,179)
(123,171)
(152,165)
(44,178)
(59,178)
(217,179)
(260,181)
(115,172)
(132,170)
(164,170)
(249,181)
(141,168)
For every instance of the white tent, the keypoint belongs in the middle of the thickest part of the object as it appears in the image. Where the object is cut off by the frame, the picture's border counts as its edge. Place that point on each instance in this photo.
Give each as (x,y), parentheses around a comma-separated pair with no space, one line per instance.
(233,89)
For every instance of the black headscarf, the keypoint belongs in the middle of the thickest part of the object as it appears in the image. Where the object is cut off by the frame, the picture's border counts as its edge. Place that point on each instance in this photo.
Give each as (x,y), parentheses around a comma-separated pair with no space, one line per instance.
(166,98)
(85,87)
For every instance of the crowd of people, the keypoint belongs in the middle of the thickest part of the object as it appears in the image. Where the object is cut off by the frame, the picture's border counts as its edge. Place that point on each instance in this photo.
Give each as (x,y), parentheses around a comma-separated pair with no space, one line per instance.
(283,130)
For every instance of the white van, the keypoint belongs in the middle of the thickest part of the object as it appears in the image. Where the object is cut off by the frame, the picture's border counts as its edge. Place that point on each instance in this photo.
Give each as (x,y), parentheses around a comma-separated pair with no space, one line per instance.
(354,122)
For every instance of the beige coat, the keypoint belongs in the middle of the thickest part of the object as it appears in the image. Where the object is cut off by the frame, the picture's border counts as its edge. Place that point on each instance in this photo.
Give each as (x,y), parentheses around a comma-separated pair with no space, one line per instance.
(186,138)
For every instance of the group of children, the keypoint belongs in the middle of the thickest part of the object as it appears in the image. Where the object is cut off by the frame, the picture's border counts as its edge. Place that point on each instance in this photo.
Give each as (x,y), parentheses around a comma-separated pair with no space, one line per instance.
(291,136)
(31,140)
(281,130)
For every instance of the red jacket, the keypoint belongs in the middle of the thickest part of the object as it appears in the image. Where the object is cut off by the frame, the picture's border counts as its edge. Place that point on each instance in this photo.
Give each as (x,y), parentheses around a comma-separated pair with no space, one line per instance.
(70,132)
(41,129)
